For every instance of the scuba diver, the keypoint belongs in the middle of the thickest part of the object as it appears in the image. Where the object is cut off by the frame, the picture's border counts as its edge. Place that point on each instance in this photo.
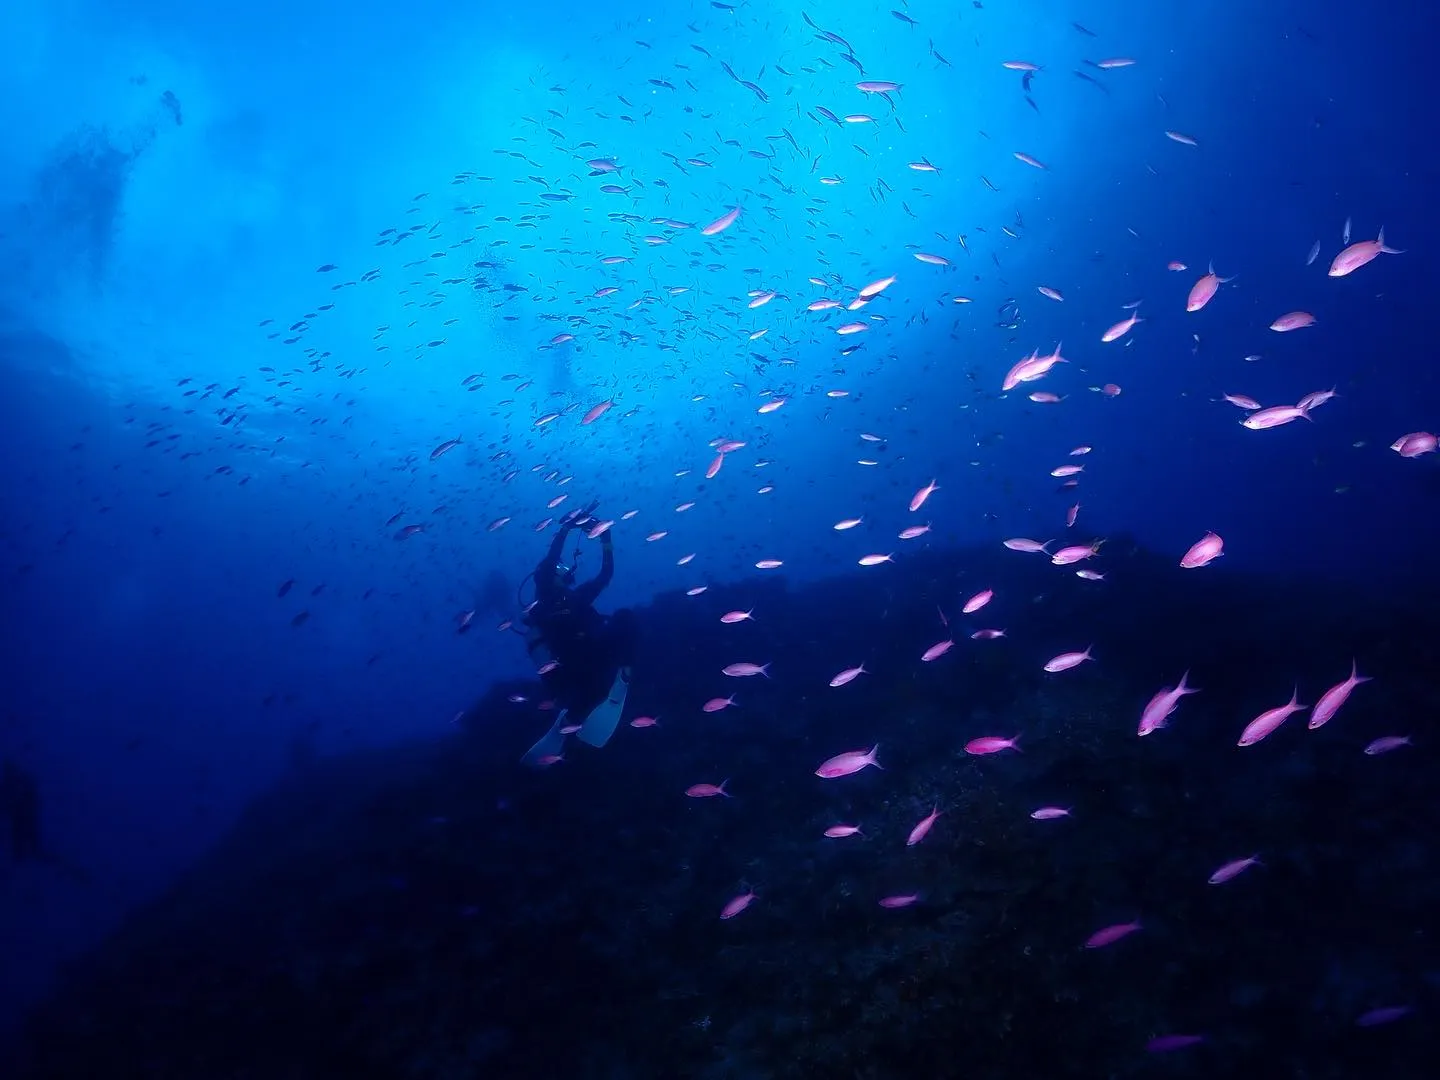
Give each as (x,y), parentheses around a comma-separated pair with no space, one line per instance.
(20,802)
(584,657)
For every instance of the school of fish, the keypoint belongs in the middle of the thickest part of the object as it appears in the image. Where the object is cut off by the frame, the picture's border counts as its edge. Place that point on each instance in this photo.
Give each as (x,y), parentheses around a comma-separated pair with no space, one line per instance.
(812,125)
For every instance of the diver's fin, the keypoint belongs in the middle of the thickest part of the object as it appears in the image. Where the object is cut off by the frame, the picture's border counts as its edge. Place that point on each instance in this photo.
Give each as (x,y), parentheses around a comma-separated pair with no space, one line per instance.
(550,744)
(605,717)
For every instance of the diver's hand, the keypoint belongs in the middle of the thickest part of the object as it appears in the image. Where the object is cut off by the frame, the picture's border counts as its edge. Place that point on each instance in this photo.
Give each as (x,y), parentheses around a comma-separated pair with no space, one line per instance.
(576,517)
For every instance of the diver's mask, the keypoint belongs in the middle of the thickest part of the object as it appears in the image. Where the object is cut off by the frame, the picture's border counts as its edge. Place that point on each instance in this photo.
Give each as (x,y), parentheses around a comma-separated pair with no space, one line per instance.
(565,575)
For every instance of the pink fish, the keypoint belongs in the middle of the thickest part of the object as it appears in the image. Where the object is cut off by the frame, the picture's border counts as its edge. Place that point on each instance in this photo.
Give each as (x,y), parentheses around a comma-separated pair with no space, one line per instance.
(443,449)
(987,635)
(1330,701)
(656,536)
(742,669)
(1181,137)
(697,590)
(920,831)
(1031,368)
(1090,575)
(546,760)
(644,722)
(924,493)
(1076,553)
(1314,399)
(1294,320)
(1242,402)
(1233,869)
(716,704)
(1162,1044)
(939,649)
(1050,813)
(1203,552)
(1045,397)
(1384,1015)
(991,744)
(721,223)
(848,675)
(1415,444)
(1204,290)
(736,905)
(769,564)
(913,531)
(852,761)
(1110,934)
(707,791)
(1121,328)
(1274,416)
(899,901)
(714,466)
(1386,743)
(1163,705)
(1360,253)
(736,616)
(1019,543)
(976,602)
(1028,160)
(875,288)
(1050,294)
(836,832)
(1071,515)
(595,412)
(876,560)
(1066,661)
(1271,719)
(1062,471)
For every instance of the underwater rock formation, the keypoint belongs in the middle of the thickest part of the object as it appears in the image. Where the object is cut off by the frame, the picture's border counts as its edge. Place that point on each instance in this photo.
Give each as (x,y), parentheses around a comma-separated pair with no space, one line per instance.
(435,911)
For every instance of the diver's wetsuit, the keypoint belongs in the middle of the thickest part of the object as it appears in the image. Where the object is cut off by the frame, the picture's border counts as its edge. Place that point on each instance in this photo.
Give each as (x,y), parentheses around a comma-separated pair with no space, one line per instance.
(589,647)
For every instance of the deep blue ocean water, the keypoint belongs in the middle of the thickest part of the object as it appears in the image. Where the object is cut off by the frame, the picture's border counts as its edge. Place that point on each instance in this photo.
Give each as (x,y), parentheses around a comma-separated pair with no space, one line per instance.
(265,698)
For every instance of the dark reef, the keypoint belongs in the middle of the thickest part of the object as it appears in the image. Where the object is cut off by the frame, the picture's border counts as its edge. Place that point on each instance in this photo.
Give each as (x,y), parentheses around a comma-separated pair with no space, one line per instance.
(435,911)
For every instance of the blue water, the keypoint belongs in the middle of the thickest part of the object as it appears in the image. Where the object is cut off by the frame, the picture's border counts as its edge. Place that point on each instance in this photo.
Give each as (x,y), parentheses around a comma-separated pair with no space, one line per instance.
(260,264)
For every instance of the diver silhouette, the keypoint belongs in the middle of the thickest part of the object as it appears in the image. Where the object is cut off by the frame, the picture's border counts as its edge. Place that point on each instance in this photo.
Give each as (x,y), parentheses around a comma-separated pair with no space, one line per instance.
(583,656)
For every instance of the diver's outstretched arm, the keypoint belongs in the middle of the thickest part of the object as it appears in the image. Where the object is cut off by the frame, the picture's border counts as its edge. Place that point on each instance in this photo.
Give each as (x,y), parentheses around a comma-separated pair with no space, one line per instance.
(545,568)
(591,590)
